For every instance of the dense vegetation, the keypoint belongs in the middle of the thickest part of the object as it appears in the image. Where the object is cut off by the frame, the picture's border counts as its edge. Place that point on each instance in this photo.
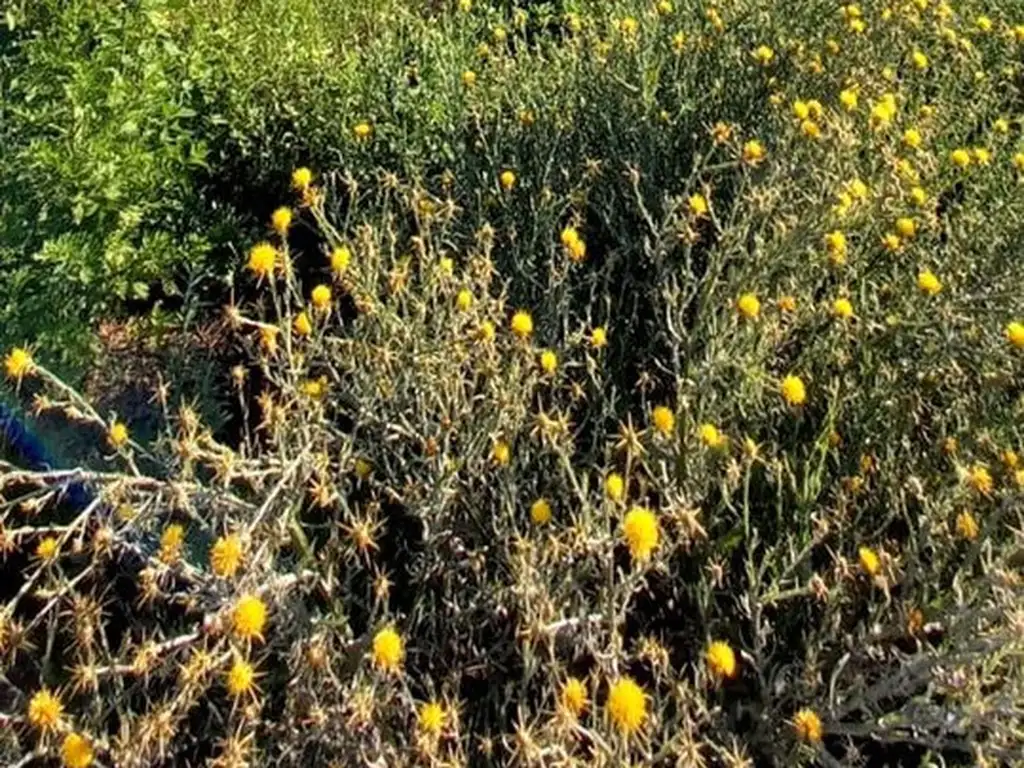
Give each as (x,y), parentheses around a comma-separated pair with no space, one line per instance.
(611,382)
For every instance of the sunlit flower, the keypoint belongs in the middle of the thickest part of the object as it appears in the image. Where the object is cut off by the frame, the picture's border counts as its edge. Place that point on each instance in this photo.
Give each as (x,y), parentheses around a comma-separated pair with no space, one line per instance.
(302,178)
(912,138)
(869,561)
(1015,334)
(808,726)
(793,390)
(928,283)
(226,556)
(522,324)
(663,419)
(321,297)
(906,228)
(698,205)
(842,309)
(117,435)
(712,437)
(388,650)
(281,219)
(627,705)
(19,363)
(979,478)
(835,245)
(431,718)
(45,710)
(848,98)
(967,526)
(464,300)
(763,55)
(721,660)
(614,486)
(920,60)
(341,257)
(469,78)
(507,179)
(241,678)
(573,696)
(540,512)
(748,306)
(548,362)
(362,131)
(262,260)
(249,617)
(171,542)
(303,325)
(76,751)
(599,338)
(918,196)
(641,530)
(501,452)
(47,549)
(753,152)
(961,158)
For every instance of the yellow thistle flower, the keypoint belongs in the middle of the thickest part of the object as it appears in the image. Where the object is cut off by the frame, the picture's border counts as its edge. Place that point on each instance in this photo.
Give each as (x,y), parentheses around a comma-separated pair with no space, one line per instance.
(810,129)
(501,453)
(362,131)
(763,55)
(912,138)
(891,242)
(920,60)
(321,297)
(698,205)
(753,152)
(241,678)
(548,362)
(464,300)
(979,478)
(486,331)
(721,660)
(303,325)
(842,309)
(748,306)
(786,303)
(302,178)
(808,726)
(614,486)
(226,556)
(76,751)
(469,78)
(540,512)
(341,257)
(961,158)
(627,705)
(641,530)
(507,180)
(848,98)
(800,110)
(249,617)
(48,549)
(573,696)
(262,260)
(431,718)
(918,196)
(793,390)
(171,541)
(906,228)
(967,526)
(388,650)
(928,283)
(712,437)
(117,435)
(1015,334)
(19,363)
(835,246)
(281,219)
(599,338)
(45,710)
(663,420)
(869,561)
(522,324)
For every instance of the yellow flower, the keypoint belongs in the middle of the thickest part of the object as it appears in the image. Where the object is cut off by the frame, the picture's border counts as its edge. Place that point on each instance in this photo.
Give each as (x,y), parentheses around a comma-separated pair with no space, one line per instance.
(573,696)
(967,526)
(548,361)
(810,129)
(599,338)
(748,306)
(983,23)
(627,705)
(540,512)
(698,205)
(664,7)
(979,479)
(302,178)
(117,435)
(982,155)
(869,561)
(19,363)
(388,650)
(45,710)
(891,242)
(641,530)
(961,158)
(1010,459)
(302,325)
(249,617)
(912,138)
(905,227)
(721,660)
(928,282)
(721,132)
(522,324)
(573,244)
(920,60)
(501,453)
(663,419)
(321,297)
(268,338)
(469,78)
(171,541)
(282,220)
(431,718)
(858,189)
(918,196)
(241,678)
(628,26)
(807,725)
(679,42)
(314,388)
(848,98)
(262,260)
(753,152)
(793,390)
(341,257)
(800,110)
(76,751)
(507,179)
(711,437)
(1001,125)
(763,55)
(47,549)
(842,308)
(786,303)
(226,556)
(362,131)
(614,486)
(446,266)
(486,331)
(464,300)
(1015,334)
(835,245)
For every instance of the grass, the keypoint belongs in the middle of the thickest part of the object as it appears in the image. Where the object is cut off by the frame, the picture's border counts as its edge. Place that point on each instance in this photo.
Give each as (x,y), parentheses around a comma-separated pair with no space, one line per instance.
(745,488)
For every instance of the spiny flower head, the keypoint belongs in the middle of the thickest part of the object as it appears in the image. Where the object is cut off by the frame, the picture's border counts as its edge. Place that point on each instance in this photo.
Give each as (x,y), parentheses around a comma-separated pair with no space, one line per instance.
(321,297)
(226,555)
(753,152)
(663,420)
(905,227)
(721,660)
(302,178)
(47,549)
(501,452)
(548,362)
(76,751)
(928,283)
(18,363)
(698,205)
(763,55)
(171,541)
(961,158)
(979,478)
(912,138)
(808,726)
(117,435)
(45,710)
(793,390)
(748,306)
(262,260)
(842,308)
(507,179)
(627,705)
(835,245)
(303,326)
(641,530)
(573,244)
(540,512)
(241,678)
(869,561)
(599,338)
(431,718)
(522,324)
(614,486)
(341,257)
(967,526)
(1015,334)
(362,131)
(249,617)
(281,220)
(464,300)
(572,697)
(711,436)
(388,650)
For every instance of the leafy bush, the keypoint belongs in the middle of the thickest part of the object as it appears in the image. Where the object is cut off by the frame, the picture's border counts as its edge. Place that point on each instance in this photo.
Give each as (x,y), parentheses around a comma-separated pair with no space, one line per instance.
(649,395)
